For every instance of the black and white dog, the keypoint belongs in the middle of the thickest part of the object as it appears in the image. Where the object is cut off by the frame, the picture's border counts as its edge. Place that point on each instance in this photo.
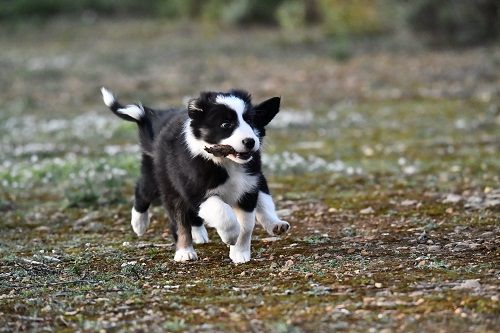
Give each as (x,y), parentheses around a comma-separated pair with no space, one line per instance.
(196,187)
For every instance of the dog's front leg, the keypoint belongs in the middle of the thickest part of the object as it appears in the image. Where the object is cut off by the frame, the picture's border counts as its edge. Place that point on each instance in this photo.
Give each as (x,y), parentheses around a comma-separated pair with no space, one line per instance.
(184,244)
(240,252)
(219,215)
(267,217)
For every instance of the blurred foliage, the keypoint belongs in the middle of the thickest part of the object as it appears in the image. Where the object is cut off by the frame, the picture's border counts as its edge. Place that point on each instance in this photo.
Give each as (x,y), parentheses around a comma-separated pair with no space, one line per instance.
(462,22)
(291,16)
(296,14)
(354,17)
(441,21)
(230,11)
(247,11)
(18,9)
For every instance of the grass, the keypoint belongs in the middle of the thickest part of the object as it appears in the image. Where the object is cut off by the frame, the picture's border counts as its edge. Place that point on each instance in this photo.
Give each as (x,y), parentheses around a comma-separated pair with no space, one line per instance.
(360,161)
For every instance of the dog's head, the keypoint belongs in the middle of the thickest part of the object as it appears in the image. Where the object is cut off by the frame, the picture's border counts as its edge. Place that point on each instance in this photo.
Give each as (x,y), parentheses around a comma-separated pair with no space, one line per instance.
(229,118)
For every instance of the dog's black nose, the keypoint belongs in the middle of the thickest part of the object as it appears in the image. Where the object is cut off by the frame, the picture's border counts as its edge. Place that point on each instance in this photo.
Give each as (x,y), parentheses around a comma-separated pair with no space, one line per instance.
(249,143)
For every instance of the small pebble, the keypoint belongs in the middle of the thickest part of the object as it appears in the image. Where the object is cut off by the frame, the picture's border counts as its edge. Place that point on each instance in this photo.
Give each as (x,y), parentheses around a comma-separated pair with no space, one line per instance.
(419,301)
(423,238)
(474,246)
(469,284)
(486,234)
(368,210)
(408,202)
(452,198)
(460,246)
(434,248)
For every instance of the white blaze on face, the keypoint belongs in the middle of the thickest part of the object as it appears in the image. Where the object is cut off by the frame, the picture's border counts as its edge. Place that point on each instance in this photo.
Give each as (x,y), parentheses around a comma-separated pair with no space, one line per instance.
(244,130)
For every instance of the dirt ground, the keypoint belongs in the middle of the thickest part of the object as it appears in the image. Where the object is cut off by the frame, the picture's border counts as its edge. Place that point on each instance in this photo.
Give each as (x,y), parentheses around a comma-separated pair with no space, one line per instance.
(386,164)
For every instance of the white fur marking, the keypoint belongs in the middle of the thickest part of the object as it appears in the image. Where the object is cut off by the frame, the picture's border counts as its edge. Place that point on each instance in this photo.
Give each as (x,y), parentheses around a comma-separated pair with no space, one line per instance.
(267,217)
(185,254)
(233,102)
(139,222)
(199,234)
(219,215)
(243,131)
(238,183)
(132,110)
(107,97)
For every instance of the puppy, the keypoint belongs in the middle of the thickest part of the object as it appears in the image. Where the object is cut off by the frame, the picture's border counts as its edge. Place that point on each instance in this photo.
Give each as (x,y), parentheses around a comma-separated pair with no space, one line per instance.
(227,193)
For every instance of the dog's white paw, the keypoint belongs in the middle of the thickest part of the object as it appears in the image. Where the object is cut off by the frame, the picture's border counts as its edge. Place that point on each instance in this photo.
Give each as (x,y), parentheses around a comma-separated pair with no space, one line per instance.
(239,255)
(278,228)
(186,254)
(229,233)
(199,234)
(139,222)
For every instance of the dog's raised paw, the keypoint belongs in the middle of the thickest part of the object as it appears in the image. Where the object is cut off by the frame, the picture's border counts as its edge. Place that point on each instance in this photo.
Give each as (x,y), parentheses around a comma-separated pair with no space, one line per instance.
(186,254)
(280,228)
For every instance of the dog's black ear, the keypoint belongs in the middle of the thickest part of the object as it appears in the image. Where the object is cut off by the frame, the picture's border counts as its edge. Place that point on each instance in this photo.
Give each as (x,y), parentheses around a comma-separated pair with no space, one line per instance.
(265,111)
(195,109)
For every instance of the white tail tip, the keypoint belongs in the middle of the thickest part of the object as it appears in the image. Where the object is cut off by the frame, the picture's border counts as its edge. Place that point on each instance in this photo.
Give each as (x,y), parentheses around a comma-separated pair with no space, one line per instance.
(132,110)
(107,97)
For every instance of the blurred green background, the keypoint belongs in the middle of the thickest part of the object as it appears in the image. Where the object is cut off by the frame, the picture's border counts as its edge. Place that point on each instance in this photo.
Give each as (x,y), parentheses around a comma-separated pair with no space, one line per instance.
(443,22)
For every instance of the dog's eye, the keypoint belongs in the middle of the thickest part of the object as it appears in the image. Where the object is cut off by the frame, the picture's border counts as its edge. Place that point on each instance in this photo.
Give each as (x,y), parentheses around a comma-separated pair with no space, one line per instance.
(226,125)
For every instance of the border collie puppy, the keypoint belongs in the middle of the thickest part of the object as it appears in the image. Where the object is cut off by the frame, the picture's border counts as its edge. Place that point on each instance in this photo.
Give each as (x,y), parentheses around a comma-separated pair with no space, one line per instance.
(196,187)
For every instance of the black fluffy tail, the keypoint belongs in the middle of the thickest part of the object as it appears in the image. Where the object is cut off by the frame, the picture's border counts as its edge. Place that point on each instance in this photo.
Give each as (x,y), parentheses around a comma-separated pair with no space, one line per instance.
(135,113)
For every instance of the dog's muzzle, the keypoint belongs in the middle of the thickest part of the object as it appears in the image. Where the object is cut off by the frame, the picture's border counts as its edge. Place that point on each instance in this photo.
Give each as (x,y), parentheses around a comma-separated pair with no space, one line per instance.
(244,156)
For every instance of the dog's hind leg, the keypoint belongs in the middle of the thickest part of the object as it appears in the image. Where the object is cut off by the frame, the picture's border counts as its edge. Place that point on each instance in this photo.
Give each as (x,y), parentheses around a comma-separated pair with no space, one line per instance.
(266,211)
(145,192)
(198,231)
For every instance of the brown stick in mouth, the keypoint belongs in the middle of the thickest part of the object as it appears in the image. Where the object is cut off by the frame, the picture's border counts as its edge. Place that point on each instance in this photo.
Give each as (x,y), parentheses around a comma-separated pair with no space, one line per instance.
(220,150)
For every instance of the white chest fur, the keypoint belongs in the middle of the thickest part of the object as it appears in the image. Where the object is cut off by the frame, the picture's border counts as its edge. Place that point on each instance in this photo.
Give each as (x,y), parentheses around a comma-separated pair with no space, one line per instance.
(237,184)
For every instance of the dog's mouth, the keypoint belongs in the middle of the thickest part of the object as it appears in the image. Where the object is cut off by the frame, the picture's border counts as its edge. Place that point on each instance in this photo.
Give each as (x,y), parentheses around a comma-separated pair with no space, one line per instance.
(228,151)
(243,156)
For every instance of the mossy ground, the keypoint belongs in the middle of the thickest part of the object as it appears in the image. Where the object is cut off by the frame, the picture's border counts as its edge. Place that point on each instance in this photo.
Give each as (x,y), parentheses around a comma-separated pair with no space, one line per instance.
(386,164)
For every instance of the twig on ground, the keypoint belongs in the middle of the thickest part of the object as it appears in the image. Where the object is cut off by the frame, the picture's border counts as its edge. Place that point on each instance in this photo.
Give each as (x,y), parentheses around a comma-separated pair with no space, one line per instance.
(26,317)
